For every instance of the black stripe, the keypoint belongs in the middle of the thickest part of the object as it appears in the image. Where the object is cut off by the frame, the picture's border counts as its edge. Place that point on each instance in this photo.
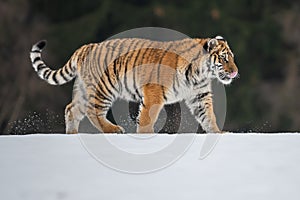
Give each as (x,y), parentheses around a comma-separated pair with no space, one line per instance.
(46,73)
(41,66)
(134,68)
(199,110)
(125,71)
(203,86)
(202,95)
(93,107)
(202,113)
(54,77)
(188,73)
(204,117)
(207,104)
(164,94)
(35,51)
(177,58)
(99,73)
(109,79)
(98,55)
(41,44)
(194,100)
(125,77)
(81,111)
(134,83)
(121,56)
(94,57)
(67,70)
(175,78)
(98,98)
(106,70)
(62,75)
(201,81)
(106,87)
(113,48)
(88,70)
(205,47)
(138,53)
(158,74)
(116,71)
(160,61)
(107,46)
(138,93)
(174,87)
(100,80)
(215,58)
(191,47)
(134,80)
(106,64)
(196,57)
(98,106)
(36,59)
(118,63)
(136,45)
(143,56)
(98,93)
(152,52)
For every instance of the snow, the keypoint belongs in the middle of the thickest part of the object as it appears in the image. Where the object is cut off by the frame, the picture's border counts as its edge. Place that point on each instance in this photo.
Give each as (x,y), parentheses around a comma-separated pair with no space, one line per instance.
(237,166)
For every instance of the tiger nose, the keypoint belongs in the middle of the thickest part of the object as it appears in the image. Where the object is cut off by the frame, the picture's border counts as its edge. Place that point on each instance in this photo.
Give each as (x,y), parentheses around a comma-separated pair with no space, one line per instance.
(233,74)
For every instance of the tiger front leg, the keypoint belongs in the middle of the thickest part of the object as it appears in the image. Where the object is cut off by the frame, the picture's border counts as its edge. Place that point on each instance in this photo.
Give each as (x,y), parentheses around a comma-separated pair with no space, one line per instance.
(152,104)
(202,108)
(100,122)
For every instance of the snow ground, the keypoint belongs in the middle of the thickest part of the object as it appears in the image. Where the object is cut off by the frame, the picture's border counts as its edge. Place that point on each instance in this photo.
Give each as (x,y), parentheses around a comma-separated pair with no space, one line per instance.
(241,166)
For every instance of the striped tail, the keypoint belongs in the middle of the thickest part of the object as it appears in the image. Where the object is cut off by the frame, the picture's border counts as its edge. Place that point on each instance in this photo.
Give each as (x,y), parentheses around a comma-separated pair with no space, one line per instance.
(53,77)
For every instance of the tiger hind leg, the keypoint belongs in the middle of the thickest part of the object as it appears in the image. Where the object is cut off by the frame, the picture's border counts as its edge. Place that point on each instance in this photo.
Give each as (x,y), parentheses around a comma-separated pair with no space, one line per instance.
(73,115)
(76,110)
(152,104)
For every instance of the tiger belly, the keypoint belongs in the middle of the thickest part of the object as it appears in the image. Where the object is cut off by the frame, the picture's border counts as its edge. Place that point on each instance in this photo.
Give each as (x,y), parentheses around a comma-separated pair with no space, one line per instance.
(175,90)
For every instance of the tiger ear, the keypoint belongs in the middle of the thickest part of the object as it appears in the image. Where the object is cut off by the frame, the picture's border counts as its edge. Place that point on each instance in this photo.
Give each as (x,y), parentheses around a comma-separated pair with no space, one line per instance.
(211,43)
(220,38)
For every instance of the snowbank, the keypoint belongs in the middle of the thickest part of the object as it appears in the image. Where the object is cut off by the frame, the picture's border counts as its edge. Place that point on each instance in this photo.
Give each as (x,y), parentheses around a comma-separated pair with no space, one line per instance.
(240,166)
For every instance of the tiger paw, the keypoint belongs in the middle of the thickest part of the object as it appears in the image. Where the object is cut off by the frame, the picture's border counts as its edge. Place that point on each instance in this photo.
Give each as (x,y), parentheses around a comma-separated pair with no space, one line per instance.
(119,130)
(114,129)
(225,132)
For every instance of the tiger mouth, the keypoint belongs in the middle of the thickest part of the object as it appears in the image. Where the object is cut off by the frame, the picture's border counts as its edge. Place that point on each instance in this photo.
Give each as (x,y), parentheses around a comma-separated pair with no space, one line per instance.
(225,77)
(232,75)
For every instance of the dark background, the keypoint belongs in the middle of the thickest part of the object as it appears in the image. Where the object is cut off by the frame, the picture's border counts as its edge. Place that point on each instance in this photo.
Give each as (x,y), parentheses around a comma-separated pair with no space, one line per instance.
(264,35)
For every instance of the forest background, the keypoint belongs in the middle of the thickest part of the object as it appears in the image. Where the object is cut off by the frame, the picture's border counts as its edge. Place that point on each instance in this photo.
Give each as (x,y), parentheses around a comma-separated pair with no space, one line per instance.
(264,36)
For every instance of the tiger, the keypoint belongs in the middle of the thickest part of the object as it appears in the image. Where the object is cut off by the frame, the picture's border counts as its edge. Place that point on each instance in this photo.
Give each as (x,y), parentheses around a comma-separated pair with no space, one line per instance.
(151,73)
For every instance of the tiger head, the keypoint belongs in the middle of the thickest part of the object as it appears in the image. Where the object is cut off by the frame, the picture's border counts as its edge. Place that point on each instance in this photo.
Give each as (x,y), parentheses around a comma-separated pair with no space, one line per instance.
(221,60)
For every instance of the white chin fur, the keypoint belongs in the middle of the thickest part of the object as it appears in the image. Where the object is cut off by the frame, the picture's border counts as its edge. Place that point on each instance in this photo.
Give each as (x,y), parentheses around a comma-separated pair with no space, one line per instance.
(225,82)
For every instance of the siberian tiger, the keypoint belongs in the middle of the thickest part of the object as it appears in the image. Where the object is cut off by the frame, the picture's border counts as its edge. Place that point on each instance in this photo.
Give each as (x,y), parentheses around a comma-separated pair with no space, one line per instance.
(152,73)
